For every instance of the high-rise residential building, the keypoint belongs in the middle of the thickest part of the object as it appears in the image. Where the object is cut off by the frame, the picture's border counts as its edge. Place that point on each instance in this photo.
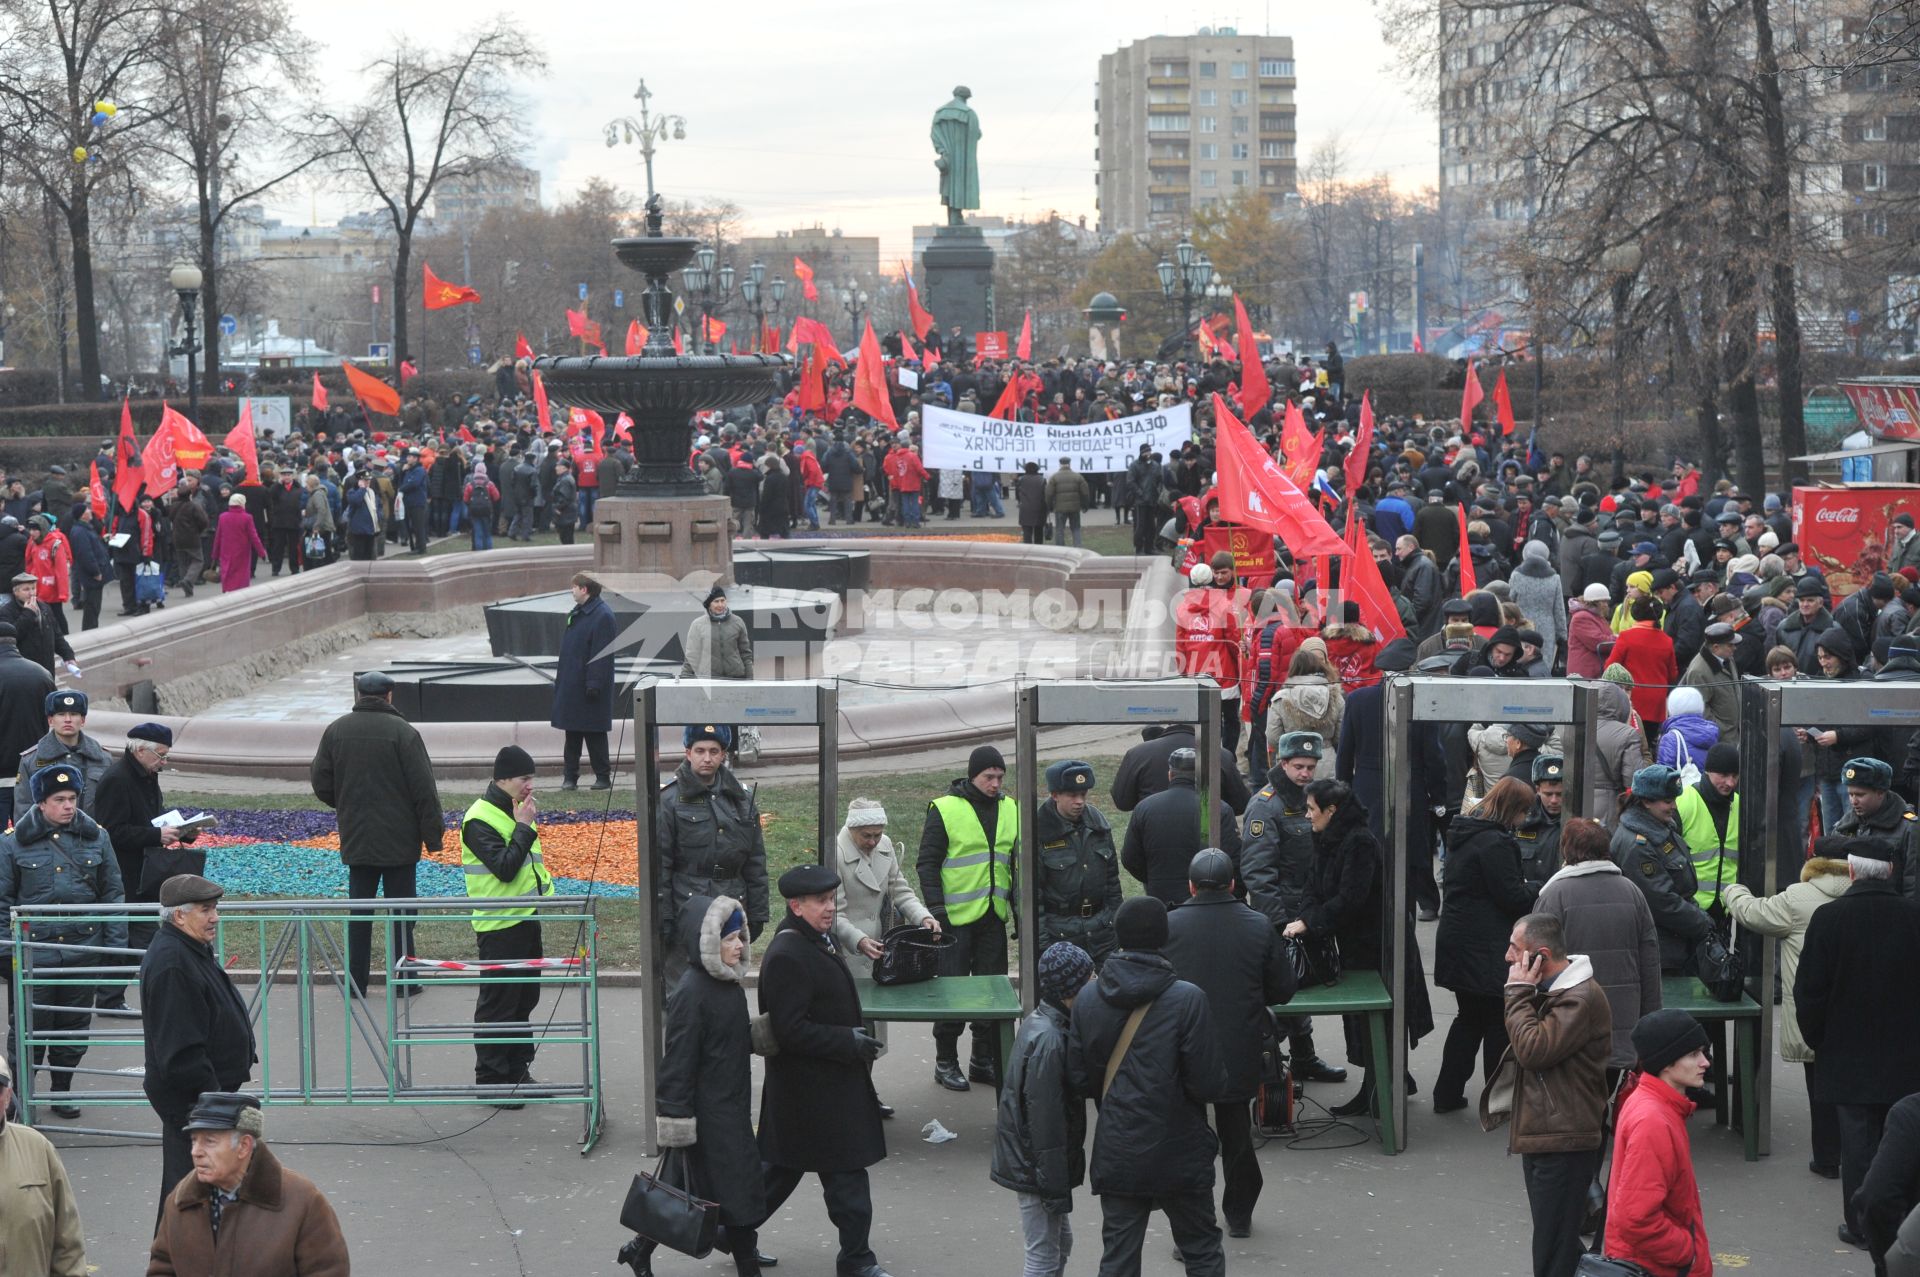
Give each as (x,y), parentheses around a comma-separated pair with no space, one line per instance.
(467,198)
(1189,120)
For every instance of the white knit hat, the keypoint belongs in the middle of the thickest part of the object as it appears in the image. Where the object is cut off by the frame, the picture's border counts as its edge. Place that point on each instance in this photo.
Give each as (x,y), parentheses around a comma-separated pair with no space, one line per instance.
(864,813)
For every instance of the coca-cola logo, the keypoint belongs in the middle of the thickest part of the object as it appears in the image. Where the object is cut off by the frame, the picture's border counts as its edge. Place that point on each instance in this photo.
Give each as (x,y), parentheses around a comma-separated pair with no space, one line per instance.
(1838,514)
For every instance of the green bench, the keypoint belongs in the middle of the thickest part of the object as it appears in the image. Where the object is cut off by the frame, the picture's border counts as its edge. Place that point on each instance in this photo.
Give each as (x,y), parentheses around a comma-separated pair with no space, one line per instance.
(1684,993)
(1363,993)
(947,997)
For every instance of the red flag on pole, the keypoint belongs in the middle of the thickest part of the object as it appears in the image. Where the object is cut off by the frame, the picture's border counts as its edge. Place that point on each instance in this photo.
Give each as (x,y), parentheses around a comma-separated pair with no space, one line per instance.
(715,328)
(1356,464)
(870,382)
(439,294)
(1255,491)
(319,392)
(812,330)
(190,446)
(636,337)
(465,435)
(1254,390)
(126,461)
(541,409)
(917,315)
(1023,349)
(159,468)
(906,346)
(1365,586)
(1301,446)
(1468,582)
(96,491)
(521,350)
(1503,403)
(240,440)
(679,341)
(813,386)
(1470,395)
(374,394)
(804,273)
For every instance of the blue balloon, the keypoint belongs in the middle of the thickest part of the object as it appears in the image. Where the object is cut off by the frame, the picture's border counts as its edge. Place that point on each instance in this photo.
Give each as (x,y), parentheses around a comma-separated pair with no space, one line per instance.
(99,119)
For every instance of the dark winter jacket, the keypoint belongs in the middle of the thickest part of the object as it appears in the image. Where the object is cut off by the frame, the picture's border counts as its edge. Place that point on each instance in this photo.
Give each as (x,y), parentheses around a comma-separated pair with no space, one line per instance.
(1164,834)
(372,769)
(198,1036)
(1143,771)
(707,842)
(86,754)
(1079,882)
(1233,954)
(1040,1135)
(1345,899)
(125,806)
(1606,918)
(584,677)
(1656,859)
(1276,850)
(45,864)
(1801,635)
(1857,1014)
(1152,1139)
(1485,894)
(35,634)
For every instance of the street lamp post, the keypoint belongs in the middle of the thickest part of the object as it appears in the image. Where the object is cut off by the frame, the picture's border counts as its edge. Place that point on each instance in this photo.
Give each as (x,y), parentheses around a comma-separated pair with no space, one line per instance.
(1187,276)
(709,287)
(854,301)
(185,279)
(1622,262)
(645,131)
(750,293)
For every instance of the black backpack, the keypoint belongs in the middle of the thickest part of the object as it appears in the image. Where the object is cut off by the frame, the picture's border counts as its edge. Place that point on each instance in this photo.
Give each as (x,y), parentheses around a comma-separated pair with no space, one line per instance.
(480,500)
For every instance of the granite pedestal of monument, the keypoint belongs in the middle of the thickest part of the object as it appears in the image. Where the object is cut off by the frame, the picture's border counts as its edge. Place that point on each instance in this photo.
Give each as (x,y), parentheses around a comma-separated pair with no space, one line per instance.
(959,271)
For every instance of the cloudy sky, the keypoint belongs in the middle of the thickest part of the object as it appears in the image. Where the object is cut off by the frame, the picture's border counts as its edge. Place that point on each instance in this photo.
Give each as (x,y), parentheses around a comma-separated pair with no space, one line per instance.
(819,112)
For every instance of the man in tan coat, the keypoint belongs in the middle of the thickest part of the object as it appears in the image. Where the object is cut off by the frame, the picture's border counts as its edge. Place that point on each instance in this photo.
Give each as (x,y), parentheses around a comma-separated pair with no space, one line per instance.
(39,1223)
(241,1211)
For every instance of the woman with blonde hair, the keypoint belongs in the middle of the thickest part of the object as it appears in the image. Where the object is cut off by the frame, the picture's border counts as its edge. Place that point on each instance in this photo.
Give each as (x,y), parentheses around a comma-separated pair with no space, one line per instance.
(1311,700)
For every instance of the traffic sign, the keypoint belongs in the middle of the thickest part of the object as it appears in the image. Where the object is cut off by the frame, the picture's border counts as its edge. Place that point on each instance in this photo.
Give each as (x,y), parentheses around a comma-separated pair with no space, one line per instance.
(583,292)
(679,306)
(619,299)
(379,350)
(229,325)
(476,356)
(1853,317)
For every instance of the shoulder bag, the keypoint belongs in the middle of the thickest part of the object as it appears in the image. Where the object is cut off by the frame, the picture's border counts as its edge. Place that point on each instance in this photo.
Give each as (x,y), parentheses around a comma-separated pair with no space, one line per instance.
(660,1208)
(910,954)
(1315,959)
(1124,1045)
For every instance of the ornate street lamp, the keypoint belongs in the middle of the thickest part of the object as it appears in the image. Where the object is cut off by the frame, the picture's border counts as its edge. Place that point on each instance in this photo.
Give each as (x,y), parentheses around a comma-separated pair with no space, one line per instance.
(645,131)
(185,280)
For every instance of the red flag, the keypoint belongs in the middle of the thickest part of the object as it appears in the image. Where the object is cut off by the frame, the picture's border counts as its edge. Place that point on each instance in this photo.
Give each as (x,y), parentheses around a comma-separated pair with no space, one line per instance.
(587,330)
(159,469)
(1503,403)
(1301,446)
(440,294)
(679,341)
(917,315)
(319,392)
(1470,394)
(813,386)
(804,273)
(1255,491)
(870,382)
(1468,581)
(1357,459)
(240,440)
(715,329)
(465,435)
(1203,338)
(623,427)
(521,350)
(1419,347)
(189,445)
(1023,349)
(1365,586)
(636,337)
(541,408)
(586,419)
(96,491)
(906,347)
(374,394)
(812,330)
(1254,390)
(126,461)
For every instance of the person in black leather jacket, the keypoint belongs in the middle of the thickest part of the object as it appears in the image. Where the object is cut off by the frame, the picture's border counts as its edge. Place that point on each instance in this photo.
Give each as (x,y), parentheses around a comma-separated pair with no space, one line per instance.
(1040,1133)
(706,841)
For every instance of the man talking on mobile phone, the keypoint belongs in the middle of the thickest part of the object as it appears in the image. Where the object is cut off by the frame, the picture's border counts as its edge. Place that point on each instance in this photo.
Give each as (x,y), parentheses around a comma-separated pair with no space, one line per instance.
(1554,1076)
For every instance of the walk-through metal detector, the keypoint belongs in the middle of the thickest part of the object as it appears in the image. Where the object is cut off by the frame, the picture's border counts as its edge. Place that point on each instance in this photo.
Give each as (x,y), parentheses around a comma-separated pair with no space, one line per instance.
(1766,709)
(737,703)
(1414,699)
(1062,704)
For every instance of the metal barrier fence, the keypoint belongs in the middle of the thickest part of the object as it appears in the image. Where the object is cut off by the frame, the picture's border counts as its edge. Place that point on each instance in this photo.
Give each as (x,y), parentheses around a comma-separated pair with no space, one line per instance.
(302,945)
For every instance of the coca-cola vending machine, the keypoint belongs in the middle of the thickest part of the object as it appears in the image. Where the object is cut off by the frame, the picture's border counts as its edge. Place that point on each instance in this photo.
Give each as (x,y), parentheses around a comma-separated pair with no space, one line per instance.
(1844,529)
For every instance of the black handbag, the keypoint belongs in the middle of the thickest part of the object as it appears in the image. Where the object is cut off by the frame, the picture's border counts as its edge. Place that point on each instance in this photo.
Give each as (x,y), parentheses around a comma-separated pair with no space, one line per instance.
(910,954)
(1600,1266)
(1315,959)
(1721,965)
(659,1208)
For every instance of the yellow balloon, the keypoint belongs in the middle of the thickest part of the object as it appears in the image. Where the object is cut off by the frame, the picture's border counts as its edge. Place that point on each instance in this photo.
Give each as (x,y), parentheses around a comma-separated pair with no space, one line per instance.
(107,109)
(79,155)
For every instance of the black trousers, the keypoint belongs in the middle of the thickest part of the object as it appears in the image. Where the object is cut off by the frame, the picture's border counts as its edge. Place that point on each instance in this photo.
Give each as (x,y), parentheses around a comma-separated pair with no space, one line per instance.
(1826,1126)
(1123,1229)
(283,547)
(849,1206)
(507,1055)
(176,1158)
(596,743)
(1239,1168)
(64,1009)
(417,528)
(565,531)
(1230,726)
(125,572)
(1145,529)
(1860,1129)
(1479,1028)
(360,545)
(1420,881)
(1557,1197)
(982,951)
(365,882)
(93,593)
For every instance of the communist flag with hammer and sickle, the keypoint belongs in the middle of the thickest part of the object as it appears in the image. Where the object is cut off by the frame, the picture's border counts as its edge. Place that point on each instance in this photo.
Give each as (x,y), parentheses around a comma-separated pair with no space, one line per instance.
(440,294)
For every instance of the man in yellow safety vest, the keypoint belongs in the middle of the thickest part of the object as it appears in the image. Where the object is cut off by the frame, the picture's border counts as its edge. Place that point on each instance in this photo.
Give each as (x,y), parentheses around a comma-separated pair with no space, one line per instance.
(966,866)
(501,860)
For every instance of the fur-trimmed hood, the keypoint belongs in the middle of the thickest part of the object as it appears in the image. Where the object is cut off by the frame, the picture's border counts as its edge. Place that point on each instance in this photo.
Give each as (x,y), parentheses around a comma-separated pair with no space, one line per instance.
(703,920)
(1825,867)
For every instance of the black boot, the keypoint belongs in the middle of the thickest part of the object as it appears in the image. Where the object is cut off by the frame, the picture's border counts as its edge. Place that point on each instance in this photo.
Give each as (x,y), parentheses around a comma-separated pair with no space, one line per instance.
(946,1071)
(745,1247)
(1312,1068)
(61,1083)
(984,1069)
(1362,1102)
(637,1254)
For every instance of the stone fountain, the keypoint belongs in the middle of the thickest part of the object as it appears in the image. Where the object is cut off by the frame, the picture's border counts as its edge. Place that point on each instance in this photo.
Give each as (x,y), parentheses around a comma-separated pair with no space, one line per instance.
(661,519)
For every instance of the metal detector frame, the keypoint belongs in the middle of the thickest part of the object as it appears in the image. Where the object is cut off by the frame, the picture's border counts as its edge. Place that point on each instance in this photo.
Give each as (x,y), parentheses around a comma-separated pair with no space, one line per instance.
(1414,699)
(1766,707)
(739,702)
(1083,702)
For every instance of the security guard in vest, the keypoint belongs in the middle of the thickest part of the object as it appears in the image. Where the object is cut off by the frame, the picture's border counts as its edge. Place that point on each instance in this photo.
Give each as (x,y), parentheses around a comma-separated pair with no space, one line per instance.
(966,866)
(500,857)
(1276,858)
(706,842)
(1539,836)
(1875,811)
(1709,816)
(1078,876)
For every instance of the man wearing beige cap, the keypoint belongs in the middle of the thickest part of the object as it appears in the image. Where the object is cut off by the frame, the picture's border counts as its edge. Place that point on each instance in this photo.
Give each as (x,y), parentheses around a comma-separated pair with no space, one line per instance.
(198,1037)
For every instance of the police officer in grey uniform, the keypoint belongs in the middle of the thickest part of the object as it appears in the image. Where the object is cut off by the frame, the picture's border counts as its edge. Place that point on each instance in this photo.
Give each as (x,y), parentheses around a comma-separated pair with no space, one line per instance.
(1079,868)
(1539,837)
(1653,854)
(66,741)
(1875,811)
(1276,858)
(56,855)
(706,841)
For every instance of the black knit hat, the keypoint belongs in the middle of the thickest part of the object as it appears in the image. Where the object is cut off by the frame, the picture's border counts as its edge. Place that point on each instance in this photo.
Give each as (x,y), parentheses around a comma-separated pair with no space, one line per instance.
(512,761)
(984,758)
(1141,923)
(1663,1036)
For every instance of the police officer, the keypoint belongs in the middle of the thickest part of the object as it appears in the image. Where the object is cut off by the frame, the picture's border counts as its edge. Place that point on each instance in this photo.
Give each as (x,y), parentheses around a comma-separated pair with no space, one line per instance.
(966,865)
(1709,816)
(1079,869)
(66,742)
(1875,811)
(1276,856)
(706,841)
(500,856)
(1539,837)
(1653,854)
(56,855)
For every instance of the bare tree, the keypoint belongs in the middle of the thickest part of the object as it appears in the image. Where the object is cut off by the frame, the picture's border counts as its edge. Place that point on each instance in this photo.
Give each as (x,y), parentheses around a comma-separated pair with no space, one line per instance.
(427,118)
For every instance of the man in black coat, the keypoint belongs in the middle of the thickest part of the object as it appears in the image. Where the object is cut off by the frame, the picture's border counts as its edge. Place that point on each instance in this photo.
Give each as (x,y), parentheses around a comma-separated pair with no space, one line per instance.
(583,684)
(1233,954)
(1165,833)
(198,1036)
(1892,1186)
(1143,771)
(125,804)
(372,768)
(1859,1010)
(24,688)
(818,1110)
(1143,1044)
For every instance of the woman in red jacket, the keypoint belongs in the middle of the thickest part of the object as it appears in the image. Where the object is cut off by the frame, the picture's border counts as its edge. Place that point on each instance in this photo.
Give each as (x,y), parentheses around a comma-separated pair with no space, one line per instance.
(1653,1203)
(1646,652)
